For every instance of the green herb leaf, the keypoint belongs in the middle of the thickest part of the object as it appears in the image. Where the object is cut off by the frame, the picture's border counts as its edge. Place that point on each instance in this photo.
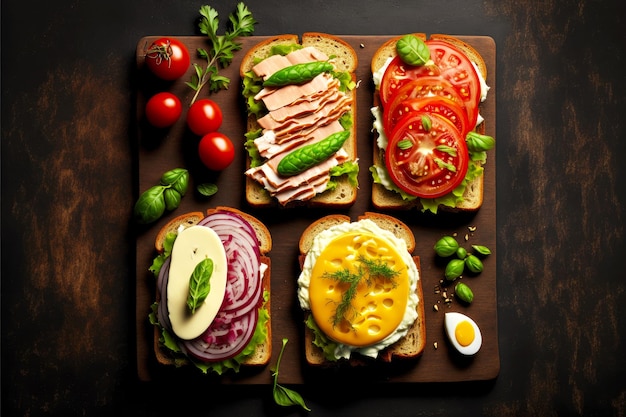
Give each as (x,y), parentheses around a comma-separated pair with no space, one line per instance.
(222,48)
(172,199)
(444,165)
(463,292)
(446,246)
(454,269)
(284,396)
(481,250)
(479,143)
(427,123)
(177,178)
(207,189)
(151,205)
(199,284)
(412,50)
(474,264)
(405,144)
(447,149)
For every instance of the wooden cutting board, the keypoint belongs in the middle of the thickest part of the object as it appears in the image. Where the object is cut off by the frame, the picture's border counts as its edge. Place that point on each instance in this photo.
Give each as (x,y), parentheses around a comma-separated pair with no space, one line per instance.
(162,150)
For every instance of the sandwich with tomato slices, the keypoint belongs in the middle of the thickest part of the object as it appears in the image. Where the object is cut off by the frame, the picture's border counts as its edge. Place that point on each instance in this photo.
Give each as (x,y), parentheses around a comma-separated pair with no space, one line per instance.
(430,144)
(360,290)
(212,306)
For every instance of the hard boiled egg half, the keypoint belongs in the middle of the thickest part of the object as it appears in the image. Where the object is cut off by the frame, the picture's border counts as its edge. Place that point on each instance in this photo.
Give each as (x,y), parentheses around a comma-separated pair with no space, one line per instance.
(463,333)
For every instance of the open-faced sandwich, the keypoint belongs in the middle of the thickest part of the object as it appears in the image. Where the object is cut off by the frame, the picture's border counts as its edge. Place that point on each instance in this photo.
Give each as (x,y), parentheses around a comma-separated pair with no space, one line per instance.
(430,144)
(301,130)
(361,291)
(212,304)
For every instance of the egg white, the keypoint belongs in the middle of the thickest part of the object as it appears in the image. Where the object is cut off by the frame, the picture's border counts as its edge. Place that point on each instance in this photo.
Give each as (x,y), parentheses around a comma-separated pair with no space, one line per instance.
(451,320)
(364,226)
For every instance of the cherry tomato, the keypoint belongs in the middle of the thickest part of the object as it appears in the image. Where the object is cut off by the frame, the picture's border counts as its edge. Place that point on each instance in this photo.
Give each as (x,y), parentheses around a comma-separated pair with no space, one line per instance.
(426,161)
(446,107)
(216,151)
(419,88)
(398,74)
(163,109)
(457,68)
(204,116)
(168,58)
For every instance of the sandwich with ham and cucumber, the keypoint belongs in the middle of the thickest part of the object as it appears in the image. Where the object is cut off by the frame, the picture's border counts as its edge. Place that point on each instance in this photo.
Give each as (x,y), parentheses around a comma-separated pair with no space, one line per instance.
(212,305)
(301,130)
(430,144)
(360,290)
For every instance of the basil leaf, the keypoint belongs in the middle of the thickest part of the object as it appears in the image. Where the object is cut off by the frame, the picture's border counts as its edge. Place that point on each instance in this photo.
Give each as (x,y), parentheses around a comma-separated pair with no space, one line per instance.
(286,397)
(151,205)
(177,178)
(412,50)
(207,189)
(405,144)
(479,143)
(447,149)
(200,284)
(172,199)
(444,165)
(481,250)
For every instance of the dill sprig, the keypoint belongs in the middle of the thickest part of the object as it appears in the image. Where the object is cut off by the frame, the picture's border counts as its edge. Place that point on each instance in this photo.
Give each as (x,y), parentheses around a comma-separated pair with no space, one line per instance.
(369,269)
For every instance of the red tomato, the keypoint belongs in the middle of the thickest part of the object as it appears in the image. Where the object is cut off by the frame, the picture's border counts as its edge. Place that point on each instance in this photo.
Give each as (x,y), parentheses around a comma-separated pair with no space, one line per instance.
(398,74)
(163,109)
(426,163)
(204,116)
(168,58)
(216,151)
(419,88)
(451,110)
(457,68)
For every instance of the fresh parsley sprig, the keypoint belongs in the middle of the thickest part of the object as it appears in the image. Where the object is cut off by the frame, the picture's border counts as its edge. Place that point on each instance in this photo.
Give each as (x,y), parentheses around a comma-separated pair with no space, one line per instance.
(223,47)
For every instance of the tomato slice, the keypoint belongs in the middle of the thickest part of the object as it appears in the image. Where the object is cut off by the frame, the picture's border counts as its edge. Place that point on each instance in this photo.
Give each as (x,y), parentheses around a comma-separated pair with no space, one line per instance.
(457,68)
(398,74)
(419,88)
(426,162)
(443,106)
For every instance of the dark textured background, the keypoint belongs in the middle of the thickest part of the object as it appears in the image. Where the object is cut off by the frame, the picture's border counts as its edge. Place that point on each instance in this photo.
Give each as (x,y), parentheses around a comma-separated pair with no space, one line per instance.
(68,185)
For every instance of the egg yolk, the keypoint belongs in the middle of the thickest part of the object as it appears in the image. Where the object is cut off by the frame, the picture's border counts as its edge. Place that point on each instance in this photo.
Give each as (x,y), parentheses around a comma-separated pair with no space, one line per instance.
(464,333)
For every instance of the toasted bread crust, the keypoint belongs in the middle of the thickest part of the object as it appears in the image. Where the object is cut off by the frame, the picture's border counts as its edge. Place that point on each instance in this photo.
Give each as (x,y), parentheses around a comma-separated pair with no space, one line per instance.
(383,199)
(410,346)
(263,352)
(345,58)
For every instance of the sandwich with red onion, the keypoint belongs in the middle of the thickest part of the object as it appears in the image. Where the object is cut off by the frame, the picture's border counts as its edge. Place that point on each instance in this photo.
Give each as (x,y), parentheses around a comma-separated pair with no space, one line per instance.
(212,307)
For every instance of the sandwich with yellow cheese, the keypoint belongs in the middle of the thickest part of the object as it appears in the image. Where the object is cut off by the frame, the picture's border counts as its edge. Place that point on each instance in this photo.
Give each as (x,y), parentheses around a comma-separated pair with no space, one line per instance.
(301,121)
(361,291)
(212,305)
(430,145)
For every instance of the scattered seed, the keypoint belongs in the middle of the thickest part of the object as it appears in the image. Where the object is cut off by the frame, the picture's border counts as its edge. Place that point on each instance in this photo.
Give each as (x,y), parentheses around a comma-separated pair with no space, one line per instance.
(436,307)
(362,46)
(472,228)
(445,294)
(435,345)
(466,237)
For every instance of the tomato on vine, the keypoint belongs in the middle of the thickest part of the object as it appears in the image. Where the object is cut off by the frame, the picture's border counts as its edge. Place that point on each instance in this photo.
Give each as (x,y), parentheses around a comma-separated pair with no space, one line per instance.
(167,58)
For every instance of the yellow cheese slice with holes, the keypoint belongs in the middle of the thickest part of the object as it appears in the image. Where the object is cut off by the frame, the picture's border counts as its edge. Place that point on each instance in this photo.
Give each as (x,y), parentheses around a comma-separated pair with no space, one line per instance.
(376,303)
(192,245)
